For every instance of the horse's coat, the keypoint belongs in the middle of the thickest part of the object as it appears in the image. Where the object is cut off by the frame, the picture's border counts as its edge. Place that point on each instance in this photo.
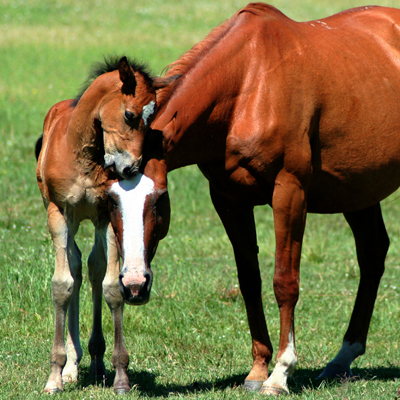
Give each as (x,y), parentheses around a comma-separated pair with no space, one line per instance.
(303,117)
(77,135)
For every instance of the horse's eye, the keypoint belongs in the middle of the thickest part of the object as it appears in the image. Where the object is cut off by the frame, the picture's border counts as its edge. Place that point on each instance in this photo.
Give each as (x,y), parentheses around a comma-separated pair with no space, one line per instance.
(129,116)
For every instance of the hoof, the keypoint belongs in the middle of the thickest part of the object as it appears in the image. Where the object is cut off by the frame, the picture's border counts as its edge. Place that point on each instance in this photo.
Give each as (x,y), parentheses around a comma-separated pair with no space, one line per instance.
(253,386)
(273,390)
(121,391)
(334,371)
(52,390)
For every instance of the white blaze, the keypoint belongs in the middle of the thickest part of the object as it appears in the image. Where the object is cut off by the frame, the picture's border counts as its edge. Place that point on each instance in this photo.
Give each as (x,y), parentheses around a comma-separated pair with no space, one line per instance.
(132,195)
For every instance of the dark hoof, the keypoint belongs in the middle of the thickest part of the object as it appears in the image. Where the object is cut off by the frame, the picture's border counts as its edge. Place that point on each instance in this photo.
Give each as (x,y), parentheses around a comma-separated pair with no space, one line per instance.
(98,372)
(253,386)
(335,371)
(273,391)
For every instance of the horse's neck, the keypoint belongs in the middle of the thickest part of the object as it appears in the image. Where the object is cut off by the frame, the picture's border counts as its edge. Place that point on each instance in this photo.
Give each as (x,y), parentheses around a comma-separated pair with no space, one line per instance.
(194,122)
(84,137)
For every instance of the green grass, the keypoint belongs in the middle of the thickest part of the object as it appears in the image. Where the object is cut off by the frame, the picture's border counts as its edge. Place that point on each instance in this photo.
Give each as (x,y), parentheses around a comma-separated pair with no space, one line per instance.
(191,341)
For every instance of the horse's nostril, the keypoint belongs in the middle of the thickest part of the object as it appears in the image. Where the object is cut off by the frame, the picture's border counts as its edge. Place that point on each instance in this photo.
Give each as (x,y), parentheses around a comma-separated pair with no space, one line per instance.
(129,172)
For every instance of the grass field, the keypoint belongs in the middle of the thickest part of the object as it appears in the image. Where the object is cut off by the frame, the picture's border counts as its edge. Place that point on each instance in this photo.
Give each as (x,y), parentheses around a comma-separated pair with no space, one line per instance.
(191,341)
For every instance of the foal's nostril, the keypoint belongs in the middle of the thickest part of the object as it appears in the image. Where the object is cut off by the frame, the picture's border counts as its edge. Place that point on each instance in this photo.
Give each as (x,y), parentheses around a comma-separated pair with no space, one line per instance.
(146,286)
(129,172)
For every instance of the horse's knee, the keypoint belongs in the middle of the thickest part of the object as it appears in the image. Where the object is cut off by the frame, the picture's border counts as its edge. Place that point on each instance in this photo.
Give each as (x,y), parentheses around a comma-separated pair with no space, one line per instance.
(286,289)
(112,292)
(62,289)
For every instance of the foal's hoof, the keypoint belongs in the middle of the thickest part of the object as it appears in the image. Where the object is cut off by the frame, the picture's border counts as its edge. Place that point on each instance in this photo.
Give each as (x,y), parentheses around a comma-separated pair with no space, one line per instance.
(121,391)
(52,390)
(273,390)
(253,386)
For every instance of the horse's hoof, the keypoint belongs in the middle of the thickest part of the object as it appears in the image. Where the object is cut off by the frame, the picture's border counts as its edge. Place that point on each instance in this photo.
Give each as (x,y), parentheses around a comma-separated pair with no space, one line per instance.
(52,390)
(334,371)
(253,386)
(273,390)
(121,391)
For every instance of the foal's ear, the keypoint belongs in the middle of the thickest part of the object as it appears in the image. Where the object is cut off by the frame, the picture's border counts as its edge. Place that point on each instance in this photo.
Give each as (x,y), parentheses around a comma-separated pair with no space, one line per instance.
(126,73)
(160,83)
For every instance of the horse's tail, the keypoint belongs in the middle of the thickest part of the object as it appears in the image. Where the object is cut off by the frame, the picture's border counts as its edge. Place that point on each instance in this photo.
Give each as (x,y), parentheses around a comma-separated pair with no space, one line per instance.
(38,147)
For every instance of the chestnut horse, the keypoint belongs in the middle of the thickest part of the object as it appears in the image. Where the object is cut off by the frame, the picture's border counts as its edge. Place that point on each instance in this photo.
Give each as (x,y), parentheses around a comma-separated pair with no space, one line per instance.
(304,117)
(75,186)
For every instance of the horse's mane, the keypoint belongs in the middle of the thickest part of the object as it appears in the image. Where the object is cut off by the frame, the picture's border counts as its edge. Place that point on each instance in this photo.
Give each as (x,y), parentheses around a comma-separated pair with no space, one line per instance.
(189,59)
(109,64)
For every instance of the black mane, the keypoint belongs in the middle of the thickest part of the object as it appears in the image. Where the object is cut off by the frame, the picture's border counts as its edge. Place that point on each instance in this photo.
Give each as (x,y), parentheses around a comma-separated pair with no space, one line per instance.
(109,64)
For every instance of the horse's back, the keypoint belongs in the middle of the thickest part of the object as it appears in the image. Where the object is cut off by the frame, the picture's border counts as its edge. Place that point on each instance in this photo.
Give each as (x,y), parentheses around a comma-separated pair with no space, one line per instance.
(338,79)
(52,166)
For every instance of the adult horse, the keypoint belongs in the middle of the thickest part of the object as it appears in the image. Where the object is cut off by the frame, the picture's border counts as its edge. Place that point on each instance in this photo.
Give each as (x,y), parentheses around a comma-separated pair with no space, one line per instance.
(113,113)
(304,117)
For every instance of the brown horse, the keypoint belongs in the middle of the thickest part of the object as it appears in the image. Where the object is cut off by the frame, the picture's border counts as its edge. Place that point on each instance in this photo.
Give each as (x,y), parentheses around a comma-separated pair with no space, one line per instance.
(304,117)
(79,137)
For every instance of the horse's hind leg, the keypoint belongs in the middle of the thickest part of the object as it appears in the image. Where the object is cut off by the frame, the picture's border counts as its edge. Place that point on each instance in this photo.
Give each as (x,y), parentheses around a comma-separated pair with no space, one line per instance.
(97,268)
(372,244)
(240,227)
(73,346)
(62,290)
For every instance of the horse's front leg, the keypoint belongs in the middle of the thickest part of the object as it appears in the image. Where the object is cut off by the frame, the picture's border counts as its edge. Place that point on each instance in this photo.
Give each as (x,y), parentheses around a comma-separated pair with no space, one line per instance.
(289,207)
(62,290)
(73,345)
(240,227)
(115,301)
(372,244)
(97,264)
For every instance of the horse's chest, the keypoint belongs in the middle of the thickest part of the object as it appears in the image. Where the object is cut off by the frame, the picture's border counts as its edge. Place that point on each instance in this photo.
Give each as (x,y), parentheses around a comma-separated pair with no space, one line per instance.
(240,185)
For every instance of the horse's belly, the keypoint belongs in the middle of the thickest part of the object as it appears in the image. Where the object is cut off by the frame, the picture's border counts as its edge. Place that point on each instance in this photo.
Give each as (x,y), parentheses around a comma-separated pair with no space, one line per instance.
(336,193)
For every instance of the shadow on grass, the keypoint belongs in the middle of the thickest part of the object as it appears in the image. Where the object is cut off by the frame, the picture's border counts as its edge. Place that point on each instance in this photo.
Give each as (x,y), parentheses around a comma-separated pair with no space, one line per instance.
(308,378)
(303,379)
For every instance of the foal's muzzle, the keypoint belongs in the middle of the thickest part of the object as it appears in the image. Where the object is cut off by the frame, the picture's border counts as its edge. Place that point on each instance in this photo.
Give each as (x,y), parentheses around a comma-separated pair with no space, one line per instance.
(123,164)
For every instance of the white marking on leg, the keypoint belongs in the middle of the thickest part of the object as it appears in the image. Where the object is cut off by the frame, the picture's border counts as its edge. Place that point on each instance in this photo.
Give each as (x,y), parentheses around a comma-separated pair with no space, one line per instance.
(132,195)
(284,367)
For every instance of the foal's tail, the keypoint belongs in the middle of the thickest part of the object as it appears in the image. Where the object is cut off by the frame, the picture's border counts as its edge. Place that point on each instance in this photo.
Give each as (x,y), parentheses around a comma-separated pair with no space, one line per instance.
(38,147)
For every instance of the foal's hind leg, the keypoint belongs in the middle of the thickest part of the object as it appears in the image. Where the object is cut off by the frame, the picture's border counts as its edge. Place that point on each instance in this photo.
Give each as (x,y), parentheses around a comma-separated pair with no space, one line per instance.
(62,290)
(97,268)
(372,244)
(240,227)
(73,346)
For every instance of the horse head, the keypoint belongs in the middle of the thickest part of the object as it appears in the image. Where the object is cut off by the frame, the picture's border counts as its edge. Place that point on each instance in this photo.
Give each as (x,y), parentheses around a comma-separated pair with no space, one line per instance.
(125,113)
(140,212)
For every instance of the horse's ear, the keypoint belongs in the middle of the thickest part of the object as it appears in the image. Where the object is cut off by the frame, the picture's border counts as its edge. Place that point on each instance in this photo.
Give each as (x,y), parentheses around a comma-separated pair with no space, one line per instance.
(126,73)
(162,82)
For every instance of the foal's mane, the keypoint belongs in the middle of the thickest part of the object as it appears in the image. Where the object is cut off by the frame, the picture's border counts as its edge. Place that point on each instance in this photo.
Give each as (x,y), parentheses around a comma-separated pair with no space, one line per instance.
(109,64)
(189,59)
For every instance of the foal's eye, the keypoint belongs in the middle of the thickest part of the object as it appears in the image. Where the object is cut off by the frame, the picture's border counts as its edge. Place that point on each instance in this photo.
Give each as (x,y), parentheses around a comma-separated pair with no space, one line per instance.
(129,116)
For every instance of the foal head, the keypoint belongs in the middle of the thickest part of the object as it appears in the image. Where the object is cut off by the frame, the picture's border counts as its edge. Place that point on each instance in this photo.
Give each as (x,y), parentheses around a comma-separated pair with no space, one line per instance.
(123,100)
(140,212)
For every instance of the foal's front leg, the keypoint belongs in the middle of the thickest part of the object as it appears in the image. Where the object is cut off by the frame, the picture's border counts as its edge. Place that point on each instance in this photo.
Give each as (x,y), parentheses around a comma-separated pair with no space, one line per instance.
(62,289)
(289,207)
(115,302)
(97,264)
(73,345)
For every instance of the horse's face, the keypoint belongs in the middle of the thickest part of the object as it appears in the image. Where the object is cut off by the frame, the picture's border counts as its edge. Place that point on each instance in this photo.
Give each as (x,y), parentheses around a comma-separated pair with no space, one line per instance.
(125,115)
(139,211)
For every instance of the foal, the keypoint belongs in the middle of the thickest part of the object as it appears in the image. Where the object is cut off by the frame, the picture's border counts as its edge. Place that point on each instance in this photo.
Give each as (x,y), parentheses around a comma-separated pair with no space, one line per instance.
(112,114)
